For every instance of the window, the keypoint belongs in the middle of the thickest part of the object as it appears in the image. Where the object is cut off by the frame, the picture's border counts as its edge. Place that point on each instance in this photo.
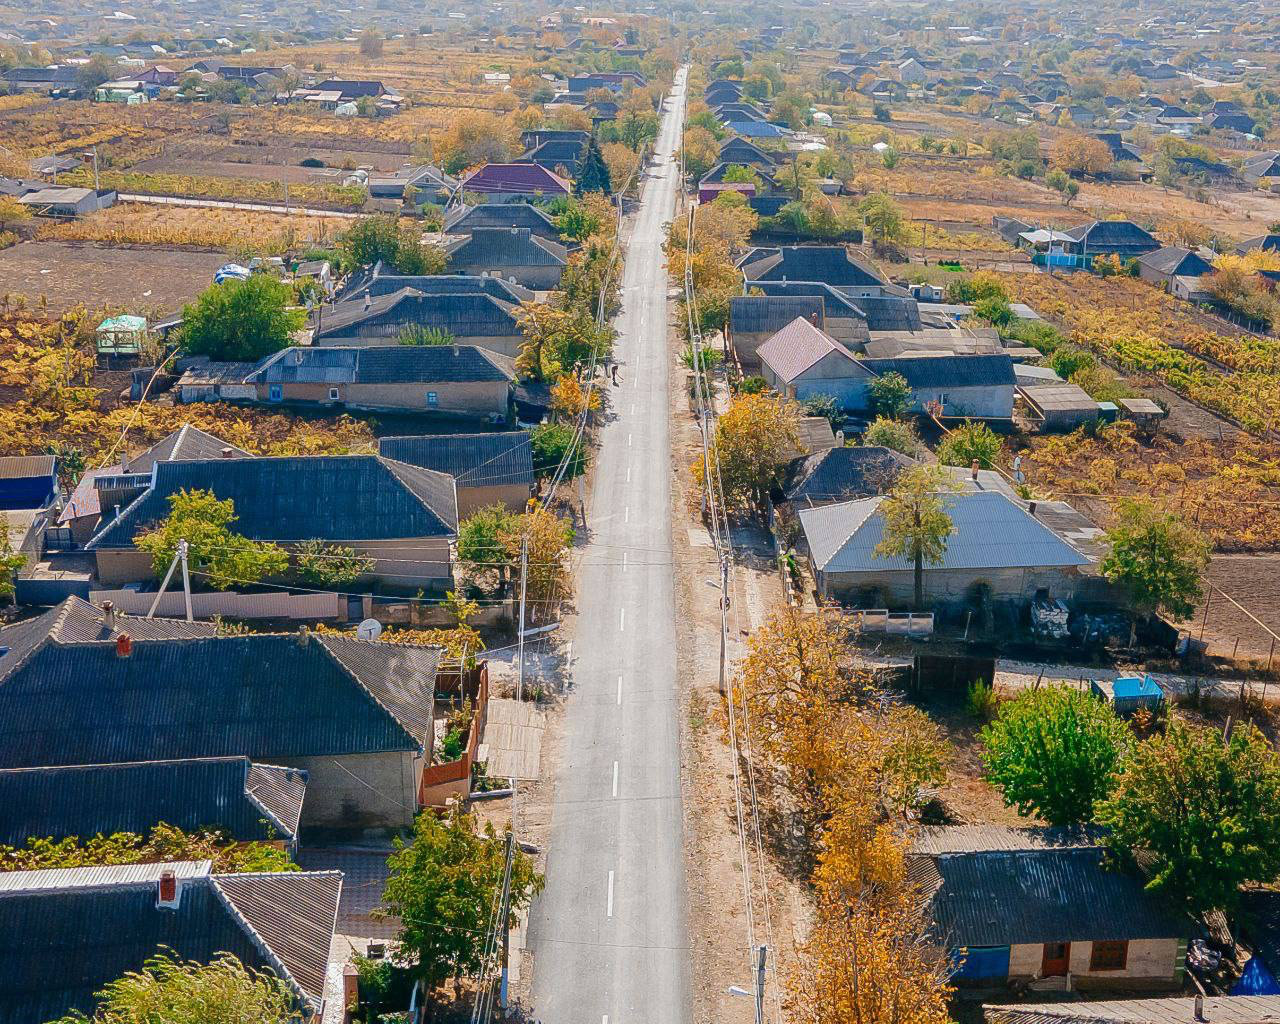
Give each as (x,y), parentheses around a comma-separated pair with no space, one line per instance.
(275,393)
(944,398)
(333,394)
(1109,956)
(433,399)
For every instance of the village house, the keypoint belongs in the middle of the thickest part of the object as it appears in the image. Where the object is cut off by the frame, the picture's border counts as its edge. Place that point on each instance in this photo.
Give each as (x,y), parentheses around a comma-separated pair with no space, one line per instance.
(754,319)
(1170,1010)
(1025,904)
(459,380)
(487,469)
(1109,238)
(1177,270)
(463,220)
(355,715)
(245,801)
(832,265)
(1000,552)
(515,254)
(468,312)
(428,184)
(843,474)
(516,183)
(66,933)
(400,516)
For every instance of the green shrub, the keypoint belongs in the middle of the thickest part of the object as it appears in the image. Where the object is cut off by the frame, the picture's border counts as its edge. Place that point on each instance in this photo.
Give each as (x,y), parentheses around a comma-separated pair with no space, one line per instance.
(898,435)
(981,701)
(970,442)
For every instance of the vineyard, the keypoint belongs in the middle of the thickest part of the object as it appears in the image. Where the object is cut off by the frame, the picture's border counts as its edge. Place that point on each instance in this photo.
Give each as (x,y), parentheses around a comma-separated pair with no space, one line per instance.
(204,187)
(47,378)
(1142,330)
(1231,492)
(220,230)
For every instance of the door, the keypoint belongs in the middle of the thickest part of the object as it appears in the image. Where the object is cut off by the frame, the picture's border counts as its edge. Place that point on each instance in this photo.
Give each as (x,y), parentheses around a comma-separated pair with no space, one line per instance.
(1057,958)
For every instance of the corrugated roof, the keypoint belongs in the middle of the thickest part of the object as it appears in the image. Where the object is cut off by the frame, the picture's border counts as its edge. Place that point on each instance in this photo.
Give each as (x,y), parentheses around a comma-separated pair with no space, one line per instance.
(299,498)
(516,178)
(836,305)
(989,531)
(464,220)
(933,372)
(99,875)
(473,460)
(249,802)
(1171,1010)
(495,248)
(22,467)
(1176,261)
(827,264)
(59,946)
(758,314)
(379,282)
(999,898)
(466,314)
(844,473)
(797,347)
(269,697)
(937,839)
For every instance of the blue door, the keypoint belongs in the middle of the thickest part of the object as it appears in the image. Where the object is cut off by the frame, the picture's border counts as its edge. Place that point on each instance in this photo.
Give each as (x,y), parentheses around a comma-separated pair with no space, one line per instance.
(275,393)
(982,963)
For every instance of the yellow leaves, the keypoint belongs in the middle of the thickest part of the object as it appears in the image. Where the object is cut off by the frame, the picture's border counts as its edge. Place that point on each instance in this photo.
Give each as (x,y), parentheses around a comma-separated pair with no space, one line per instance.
(569,399)
(264,233)
(753,439)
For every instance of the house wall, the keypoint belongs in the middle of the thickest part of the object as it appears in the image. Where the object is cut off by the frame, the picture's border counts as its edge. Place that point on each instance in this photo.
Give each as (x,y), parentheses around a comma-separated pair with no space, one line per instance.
(539,278)
(745,344)
(951,586)
(359,791)
(123,565)
(410,562)
(1152,276)
(993,403)
(1151,963)
(471,398)
(513,496)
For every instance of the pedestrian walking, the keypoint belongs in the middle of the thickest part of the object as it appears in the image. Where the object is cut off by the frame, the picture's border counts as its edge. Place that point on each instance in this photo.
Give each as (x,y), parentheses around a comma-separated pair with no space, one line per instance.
(615,374)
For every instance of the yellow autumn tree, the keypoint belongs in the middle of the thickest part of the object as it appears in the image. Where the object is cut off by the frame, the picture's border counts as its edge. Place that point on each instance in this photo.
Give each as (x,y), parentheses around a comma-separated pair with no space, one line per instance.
(1075,153)
(548,539)
(569,399)
(753,439)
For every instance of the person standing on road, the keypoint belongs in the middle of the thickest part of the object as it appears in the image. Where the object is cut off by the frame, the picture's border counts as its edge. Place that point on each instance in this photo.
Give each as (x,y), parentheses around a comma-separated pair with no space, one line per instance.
(615,375)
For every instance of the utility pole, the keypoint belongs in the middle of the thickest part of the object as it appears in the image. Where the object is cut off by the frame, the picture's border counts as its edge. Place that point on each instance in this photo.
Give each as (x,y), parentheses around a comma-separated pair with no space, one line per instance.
(524,579)
(506,919)
(764,952)
(180,555)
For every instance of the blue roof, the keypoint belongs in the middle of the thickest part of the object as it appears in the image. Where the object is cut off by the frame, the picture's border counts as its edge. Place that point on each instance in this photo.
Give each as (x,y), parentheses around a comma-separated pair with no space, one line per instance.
(1136,686)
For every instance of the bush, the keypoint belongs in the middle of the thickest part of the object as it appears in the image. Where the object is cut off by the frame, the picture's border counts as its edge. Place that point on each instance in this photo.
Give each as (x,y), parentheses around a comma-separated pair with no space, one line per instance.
(753,385)
(970,442)
(895,434)
(824,406)
(1067,360)
(981,701)
(549,443)
(890,394)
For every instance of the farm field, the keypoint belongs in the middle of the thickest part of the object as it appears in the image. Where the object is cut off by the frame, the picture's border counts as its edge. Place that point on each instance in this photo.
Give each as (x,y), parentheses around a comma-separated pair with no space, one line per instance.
(137,278)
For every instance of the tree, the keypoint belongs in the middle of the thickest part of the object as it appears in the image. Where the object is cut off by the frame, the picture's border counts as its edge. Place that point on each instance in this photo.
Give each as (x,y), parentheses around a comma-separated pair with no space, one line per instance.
(381,238)
(174,991)
(99,68)
(897,435)
(754,438)
(557,340)
(1157,557)
(741,175)
(594,176)
(890,395)
(883,218)
(443,887)
(1054,752)
(479,138)
(480,546)
(1207,811)
(1079,154)
(11,562)
(225,558)
(995,310)
(547,539)
(331,565)
(371,43)
(578,221)
(916,524)
(972,442)
(241,321)
(701,151)
(550,444)
(825,406)
(569,399)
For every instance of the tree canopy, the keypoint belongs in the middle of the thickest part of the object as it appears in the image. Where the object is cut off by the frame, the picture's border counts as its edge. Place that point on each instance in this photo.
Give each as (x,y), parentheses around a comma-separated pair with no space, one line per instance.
(916,523)
(1157,557)
(754,437)
(1053,752)
(241,321)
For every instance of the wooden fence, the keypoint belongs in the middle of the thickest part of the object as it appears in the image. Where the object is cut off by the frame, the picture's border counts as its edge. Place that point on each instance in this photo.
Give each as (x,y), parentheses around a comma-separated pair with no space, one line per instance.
(442,781)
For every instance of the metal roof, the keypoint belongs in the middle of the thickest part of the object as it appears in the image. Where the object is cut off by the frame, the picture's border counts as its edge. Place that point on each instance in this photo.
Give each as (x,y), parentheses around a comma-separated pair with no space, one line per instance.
(843,473)
(473,460)
(1172,1010)
(23,467)
(98,875)
(937,839)
(989,531)
(493,248)
(756,314)
(828,264)
(798,347)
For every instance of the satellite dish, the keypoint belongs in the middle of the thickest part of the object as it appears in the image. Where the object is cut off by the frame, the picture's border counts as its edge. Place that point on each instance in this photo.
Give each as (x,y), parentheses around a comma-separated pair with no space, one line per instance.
(369,629)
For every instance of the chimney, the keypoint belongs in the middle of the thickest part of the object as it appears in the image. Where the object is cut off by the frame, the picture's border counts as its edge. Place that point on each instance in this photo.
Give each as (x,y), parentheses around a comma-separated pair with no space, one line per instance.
(368,300)
(1199,1014)
(973,470)
(124,645)
(1031,508)
(108,615)
(304,636)
(228,453)
(167,891)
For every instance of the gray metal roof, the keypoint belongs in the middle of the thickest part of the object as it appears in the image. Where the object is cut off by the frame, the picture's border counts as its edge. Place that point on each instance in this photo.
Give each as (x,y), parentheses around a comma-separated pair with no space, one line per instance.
(828,264)
(248,801)
(1174,260)
(98,875)
(473,460)
(386,364)
(495,248)
(937,839)
(993,370)
(467,314)
(1016,897)
(1170,1010)
(465,219)
(843,473)
(989,531)
(758,314)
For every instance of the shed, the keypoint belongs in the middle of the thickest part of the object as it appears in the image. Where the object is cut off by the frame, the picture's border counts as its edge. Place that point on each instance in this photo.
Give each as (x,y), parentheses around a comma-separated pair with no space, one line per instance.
(27,481)
(1062,406)
(1129,693)
(122,335)
(1144,412)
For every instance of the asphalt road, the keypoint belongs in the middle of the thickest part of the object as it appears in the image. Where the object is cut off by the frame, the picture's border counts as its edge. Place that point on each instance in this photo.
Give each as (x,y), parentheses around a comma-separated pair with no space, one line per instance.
(609,932)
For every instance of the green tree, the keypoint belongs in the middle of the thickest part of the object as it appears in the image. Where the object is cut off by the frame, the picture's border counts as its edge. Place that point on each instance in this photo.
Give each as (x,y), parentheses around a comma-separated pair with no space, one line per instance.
(480,545)
(424,336)
(897,435)
(883,218)
(550,442)
(241,321)
(331,565)
(174,991)
(969,442)
(381,238)
(916,523)
(443,887)
(594,176)
(994,309)
(1159,559)
(99,69)
(576,222)
(215,552)
(890,395)
(1207,811)
(738,174)
(11,562)
(1054,752)
(825,406)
